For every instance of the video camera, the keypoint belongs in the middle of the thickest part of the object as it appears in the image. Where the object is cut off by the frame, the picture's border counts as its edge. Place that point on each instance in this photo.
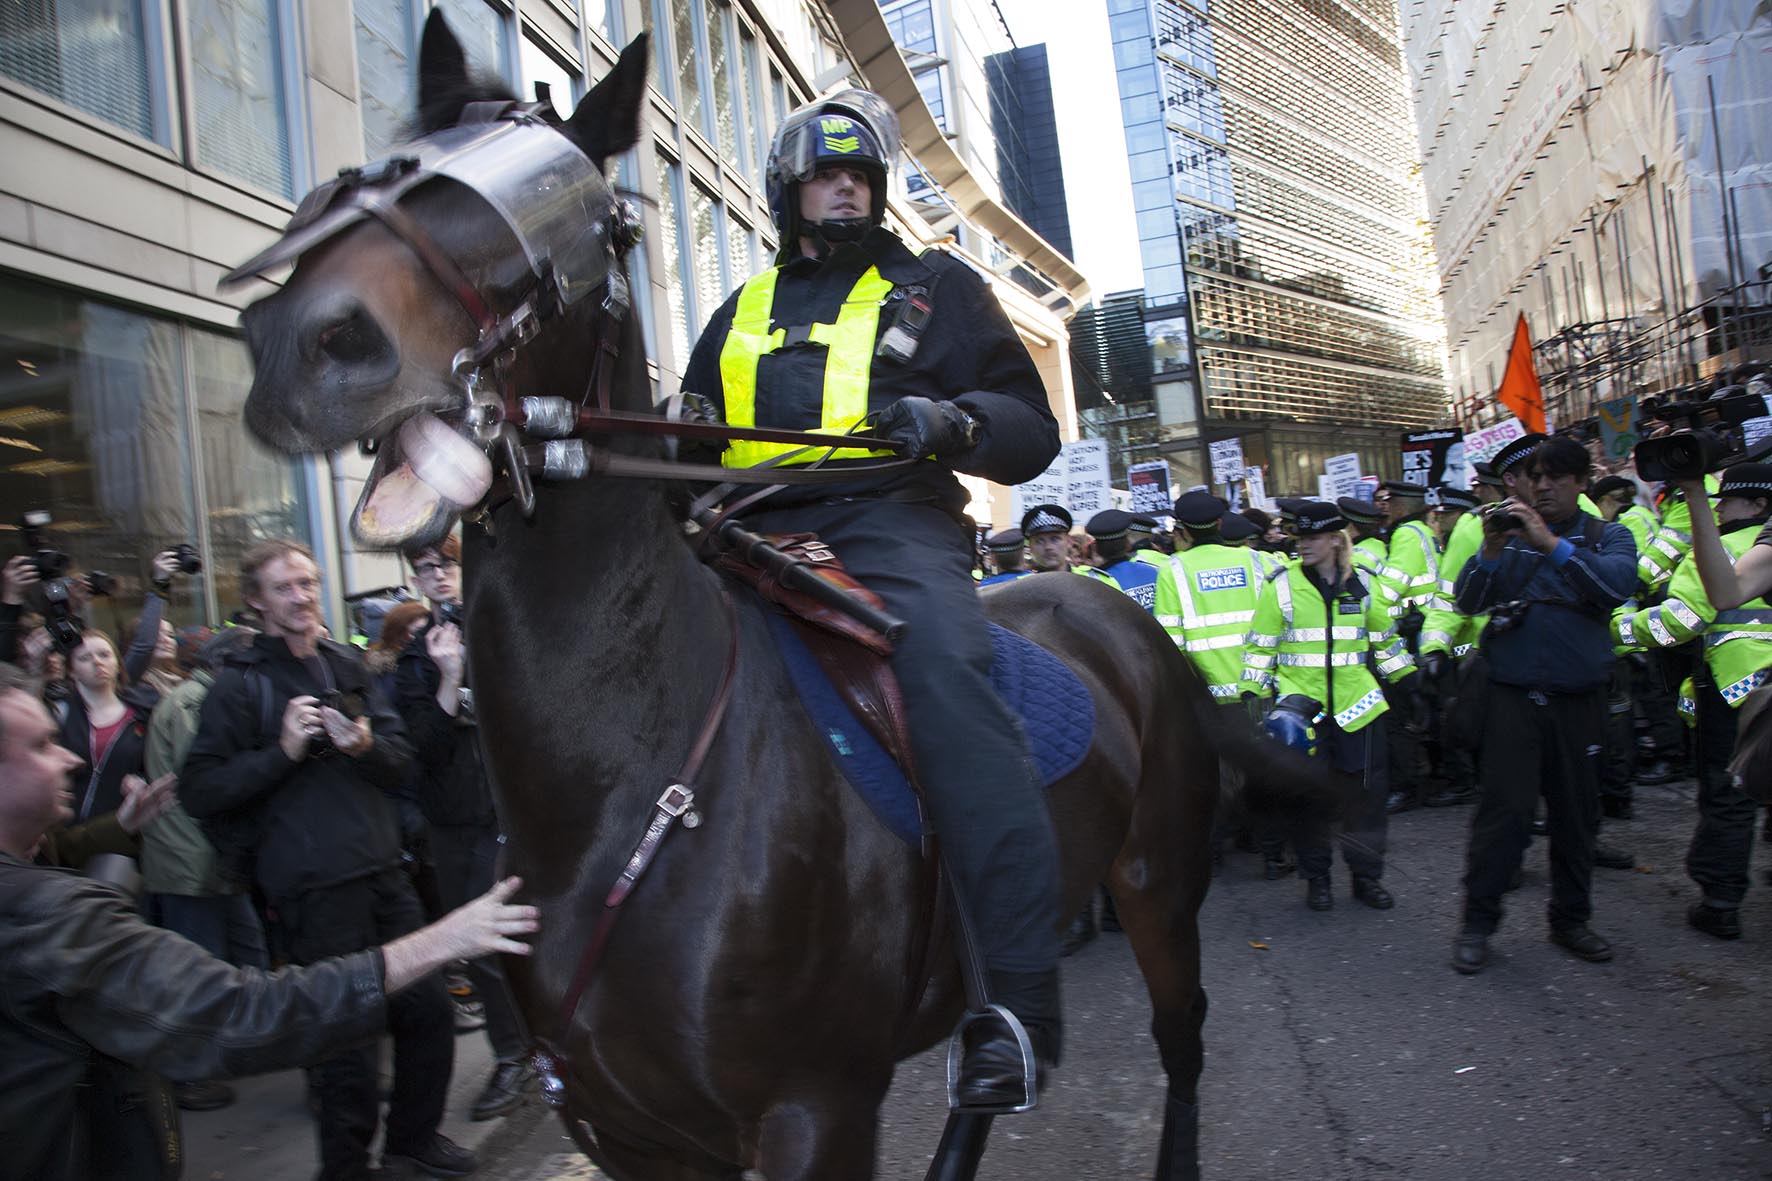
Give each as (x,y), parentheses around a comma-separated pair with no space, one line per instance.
(64,626)
(1710,437)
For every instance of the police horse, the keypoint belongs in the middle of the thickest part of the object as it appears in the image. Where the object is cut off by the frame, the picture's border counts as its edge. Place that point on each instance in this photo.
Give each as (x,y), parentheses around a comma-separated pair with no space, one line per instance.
(774,961)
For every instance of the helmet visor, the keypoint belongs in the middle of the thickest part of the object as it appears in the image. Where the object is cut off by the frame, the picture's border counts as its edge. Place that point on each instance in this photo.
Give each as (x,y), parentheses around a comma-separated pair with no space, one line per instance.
(854,125)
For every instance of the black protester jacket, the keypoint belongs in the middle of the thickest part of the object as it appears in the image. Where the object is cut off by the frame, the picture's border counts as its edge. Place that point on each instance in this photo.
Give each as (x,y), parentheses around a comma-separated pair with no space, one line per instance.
(453,789)
(322,820)
(968,354)
(82,975)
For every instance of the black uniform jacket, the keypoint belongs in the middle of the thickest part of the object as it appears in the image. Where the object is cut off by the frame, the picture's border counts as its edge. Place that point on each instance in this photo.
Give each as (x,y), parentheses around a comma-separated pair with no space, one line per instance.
(81,974)
(322,820)
(968,354)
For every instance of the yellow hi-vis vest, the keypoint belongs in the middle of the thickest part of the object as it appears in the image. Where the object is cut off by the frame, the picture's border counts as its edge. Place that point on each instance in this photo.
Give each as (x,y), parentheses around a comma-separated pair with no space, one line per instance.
(1296,645)
(849,357)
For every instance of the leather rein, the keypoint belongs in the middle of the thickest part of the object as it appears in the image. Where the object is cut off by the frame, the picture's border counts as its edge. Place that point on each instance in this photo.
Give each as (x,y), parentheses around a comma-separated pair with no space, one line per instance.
(550,436)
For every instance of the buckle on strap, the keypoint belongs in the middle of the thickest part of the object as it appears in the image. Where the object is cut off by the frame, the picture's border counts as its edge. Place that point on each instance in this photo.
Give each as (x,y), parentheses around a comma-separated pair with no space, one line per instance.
(676,800)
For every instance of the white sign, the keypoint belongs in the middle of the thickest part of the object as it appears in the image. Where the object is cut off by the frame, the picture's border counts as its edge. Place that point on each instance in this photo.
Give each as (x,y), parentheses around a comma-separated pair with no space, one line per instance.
(1481,446)
(1227,460)
(1256,481)
(1326,489)
(1150,487)
(1077,479)
(1343,474)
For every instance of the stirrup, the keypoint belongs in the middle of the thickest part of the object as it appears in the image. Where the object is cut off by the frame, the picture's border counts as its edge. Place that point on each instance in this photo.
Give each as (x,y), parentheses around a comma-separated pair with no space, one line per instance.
(1030,1091)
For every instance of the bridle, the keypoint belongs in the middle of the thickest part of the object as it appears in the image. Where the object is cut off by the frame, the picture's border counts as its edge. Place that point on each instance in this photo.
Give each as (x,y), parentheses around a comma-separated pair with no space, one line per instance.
(576,234)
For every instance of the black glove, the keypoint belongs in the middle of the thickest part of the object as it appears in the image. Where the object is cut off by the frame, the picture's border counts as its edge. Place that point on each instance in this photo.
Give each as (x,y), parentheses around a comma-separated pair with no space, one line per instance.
(1410,622)
(1433,664)
(925,427)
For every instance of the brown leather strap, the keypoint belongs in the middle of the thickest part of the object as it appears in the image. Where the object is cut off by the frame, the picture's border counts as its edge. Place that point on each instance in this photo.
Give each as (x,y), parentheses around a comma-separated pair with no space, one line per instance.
(676,803)
(624,422)
(436,260)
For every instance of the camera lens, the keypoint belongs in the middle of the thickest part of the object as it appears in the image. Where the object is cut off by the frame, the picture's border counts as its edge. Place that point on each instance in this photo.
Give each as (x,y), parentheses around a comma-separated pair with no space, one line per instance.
(189,561)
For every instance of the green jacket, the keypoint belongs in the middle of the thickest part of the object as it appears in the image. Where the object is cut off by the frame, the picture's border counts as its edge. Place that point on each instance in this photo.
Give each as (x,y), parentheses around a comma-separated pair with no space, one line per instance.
(1205,601)
(176,857)
(1672,540)
(1737,644)
(1295,646)
(1415,554)
(1445,629)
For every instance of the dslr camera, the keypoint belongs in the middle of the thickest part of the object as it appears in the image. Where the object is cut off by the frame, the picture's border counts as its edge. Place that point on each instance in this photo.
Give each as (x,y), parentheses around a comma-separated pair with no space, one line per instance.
(1709,437)
(1501,516)
(65,627)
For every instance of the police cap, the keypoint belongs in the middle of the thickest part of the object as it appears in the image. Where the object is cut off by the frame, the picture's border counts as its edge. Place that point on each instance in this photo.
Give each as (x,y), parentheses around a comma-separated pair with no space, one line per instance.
(1109,524)
(1360,512)
(1404,488)
(1515,451)
(1237,527)
(1315,517)
(1607,485)
(1486,474)
(1142,523)
(1456,499)
(1046,518)
(1289,506)
(1199,510)
(1006,542)
(1747,479)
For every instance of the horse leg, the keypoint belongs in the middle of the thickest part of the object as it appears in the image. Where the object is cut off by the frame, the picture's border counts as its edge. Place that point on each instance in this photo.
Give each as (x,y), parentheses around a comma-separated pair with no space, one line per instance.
(824,1139)
(961,1149)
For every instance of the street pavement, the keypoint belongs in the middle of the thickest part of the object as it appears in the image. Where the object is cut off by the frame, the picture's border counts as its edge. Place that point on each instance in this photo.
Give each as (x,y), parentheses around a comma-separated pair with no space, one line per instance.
(1339,1045)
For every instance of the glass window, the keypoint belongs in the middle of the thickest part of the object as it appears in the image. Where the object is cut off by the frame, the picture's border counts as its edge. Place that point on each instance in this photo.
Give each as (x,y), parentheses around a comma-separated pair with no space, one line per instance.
(670,238)
(90,54)
(539,66)
(710,286)
(484,33)
(662,76)
(740,264)
(252,494)
(600,18)
(753,92)
(723,69)
(683,32)
(95,427)
(238,92)
(385,93)
(912,25)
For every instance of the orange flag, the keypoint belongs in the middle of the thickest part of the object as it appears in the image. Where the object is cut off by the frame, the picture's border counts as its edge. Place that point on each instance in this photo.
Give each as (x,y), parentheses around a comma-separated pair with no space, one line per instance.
(1519,390)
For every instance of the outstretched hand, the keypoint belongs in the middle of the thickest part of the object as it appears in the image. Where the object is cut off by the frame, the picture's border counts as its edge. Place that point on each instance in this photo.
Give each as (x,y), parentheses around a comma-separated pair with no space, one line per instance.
(490,923)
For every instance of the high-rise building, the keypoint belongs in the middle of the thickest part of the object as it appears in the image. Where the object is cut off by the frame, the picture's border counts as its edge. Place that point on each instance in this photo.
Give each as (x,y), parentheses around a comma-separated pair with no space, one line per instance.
(1289,285)
(1605,170)
(150,146)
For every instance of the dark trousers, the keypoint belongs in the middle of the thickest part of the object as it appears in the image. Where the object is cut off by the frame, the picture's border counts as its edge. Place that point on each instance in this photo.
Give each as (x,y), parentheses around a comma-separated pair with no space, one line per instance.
(1402,749)
(983,794)
(467,866)
(1723,843)
(1620,764)
(224,925)
(351,916)
(1655,688)
(1361,760)
(1536,744)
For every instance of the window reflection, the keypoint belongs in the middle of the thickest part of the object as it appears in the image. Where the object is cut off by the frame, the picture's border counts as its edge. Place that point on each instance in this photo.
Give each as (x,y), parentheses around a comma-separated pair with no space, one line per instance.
(237,90)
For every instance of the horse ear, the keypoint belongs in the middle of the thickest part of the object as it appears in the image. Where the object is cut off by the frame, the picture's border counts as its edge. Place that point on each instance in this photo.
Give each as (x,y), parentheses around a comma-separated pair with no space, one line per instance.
(607,122)
(442,75)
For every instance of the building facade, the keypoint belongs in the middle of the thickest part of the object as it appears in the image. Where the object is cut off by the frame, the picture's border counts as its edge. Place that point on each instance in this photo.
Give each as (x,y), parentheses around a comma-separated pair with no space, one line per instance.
(1605,170)
(150,146)
(1289,294)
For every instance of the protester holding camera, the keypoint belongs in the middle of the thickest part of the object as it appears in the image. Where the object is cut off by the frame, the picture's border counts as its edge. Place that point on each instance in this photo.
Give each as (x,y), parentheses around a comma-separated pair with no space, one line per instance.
(295,745)
(432,694)
(1550,575)
(1737,655)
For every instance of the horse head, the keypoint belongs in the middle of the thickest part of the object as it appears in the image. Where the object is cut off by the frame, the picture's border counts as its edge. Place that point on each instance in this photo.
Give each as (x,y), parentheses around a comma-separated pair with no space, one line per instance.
(456,266)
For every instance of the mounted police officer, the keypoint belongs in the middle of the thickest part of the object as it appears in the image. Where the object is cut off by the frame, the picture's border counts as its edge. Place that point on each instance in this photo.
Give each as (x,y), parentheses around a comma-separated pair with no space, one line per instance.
(1320,633)
(848,327)
(1737,655)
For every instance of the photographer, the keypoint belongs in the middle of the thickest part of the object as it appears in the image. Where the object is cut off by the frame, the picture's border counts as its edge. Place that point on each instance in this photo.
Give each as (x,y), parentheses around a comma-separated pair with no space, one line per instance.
(88,991)
(1550,575)
(294,742)
(455,796)
(1737,653)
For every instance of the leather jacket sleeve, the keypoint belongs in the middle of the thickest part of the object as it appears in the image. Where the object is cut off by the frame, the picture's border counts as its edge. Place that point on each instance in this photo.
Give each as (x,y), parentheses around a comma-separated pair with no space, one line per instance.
(147,997)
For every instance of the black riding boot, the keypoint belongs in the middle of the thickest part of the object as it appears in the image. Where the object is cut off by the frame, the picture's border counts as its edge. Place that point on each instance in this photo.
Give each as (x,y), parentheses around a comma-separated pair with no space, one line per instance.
(1178,1158)
(991,1068)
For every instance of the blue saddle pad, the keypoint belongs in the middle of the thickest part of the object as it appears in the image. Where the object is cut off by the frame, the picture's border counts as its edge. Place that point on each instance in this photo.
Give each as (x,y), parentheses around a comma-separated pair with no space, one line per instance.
(1055,708)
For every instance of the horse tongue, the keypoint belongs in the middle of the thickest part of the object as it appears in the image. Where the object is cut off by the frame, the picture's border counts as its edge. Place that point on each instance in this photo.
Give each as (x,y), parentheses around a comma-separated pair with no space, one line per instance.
(439,473)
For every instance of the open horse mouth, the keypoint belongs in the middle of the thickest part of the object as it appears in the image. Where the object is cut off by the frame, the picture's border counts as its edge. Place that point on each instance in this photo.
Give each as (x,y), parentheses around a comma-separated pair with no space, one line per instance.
(426,474)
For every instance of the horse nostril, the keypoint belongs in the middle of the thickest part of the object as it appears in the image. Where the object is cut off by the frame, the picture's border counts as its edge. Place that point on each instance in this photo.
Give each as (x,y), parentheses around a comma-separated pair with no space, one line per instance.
(347,335)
